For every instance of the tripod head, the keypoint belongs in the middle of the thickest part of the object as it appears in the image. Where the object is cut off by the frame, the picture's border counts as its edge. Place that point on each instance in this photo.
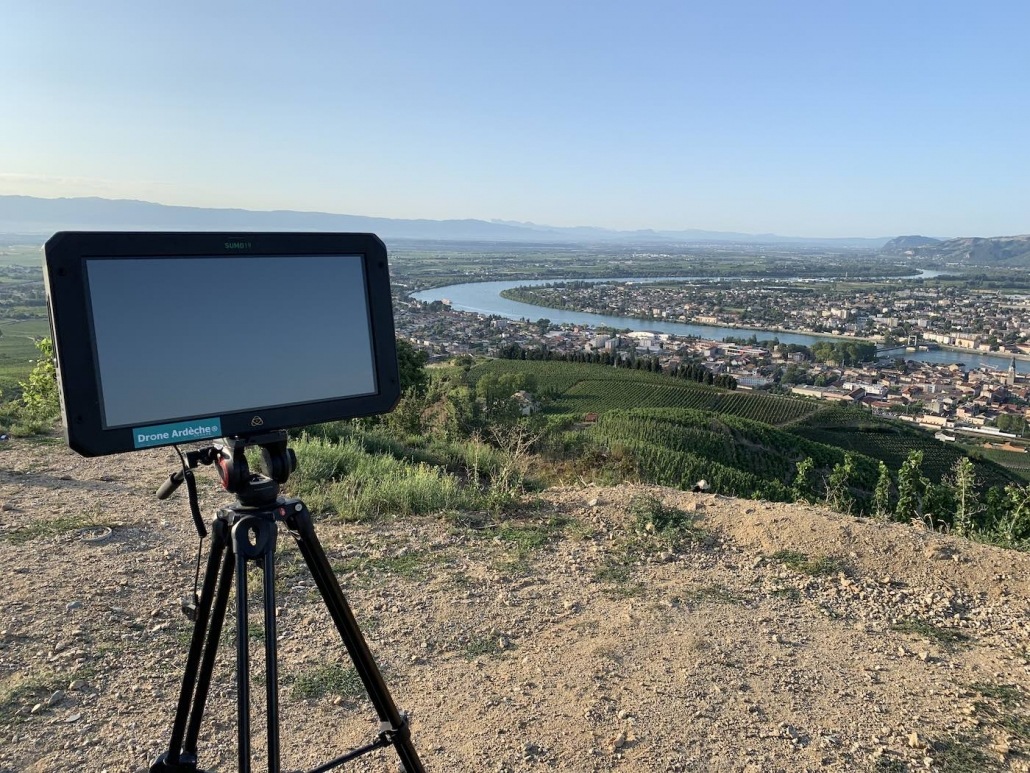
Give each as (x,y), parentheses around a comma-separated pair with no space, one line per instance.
(251,488)
(229,456)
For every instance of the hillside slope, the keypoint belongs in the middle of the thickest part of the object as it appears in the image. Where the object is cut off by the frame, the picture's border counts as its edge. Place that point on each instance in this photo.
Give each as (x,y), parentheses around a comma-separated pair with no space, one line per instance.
(1004,251)
(726,635)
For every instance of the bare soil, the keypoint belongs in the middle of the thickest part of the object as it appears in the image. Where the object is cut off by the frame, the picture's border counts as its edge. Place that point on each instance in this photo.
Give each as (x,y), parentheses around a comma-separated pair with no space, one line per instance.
(568,635)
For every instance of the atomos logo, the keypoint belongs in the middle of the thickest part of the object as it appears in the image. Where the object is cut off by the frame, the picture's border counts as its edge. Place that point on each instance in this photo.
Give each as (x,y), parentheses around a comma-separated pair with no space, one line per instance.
(238,245)
(257,421)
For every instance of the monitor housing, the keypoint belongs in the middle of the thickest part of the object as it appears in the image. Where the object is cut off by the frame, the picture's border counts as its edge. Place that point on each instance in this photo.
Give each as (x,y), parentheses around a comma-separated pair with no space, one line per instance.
(165,338)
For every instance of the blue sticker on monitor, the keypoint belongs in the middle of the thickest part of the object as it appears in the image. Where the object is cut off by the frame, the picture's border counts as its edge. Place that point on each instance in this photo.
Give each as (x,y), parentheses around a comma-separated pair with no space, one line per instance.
(180,432)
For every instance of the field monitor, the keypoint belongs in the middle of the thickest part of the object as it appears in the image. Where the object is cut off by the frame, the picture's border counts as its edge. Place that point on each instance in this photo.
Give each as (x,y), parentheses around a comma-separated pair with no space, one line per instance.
(165,338)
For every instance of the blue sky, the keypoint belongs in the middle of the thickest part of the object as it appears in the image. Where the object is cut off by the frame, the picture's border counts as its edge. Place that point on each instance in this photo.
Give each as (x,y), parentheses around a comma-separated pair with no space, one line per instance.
(802,118)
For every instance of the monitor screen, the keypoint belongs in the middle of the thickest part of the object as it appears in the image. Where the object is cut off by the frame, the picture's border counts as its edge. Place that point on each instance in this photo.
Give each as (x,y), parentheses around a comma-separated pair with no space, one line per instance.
(161,339)
(159,351)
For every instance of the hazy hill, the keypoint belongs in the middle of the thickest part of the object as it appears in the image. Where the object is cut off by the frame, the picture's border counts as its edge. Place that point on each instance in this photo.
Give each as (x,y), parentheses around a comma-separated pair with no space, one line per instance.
(1011,251)
(902,244)
(31,215)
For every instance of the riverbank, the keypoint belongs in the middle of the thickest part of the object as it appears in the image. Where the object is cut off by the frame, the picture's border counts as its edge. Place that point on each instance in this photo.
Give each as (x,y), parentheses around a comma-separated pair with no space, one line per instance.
(485,298)
(751,329)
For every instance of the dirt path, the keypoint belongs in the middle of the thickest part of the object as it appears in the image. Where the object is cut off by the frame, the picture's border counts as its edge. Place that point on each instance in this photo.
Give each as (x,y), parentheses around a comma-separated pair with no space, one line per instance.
(746,637)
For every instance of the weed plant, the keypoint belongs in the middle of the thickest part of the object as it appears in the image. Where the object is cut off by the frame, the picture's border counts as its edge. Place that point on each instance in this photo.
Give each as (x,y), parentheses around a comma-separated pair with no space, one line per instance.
(800,562)
(328,679)
(669,526)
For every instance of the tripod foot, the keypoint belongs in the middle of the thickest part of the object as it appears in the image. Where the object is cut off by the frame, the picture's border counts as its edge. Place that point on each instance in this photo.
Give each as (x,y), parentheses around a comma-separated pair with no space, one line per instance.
(186,764)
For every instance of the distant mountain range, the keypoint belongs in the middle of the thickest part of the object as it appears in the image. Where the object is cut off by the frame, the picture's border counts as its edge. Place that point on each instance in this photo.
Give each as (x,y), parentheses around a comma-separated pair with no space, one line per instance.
(1008,251)
(36,216)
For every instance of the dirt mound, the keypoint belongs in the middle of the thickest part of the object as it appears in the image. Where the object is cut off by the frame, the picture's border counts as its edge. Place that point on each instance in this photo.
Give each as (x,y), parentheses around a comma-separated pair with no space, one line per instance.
(631,628)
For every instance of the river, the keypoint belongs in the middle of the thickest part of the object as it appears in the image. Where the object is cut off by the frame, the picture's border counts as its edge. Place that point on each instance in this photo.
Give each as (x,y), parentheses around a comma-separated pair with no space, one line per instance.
(485,298)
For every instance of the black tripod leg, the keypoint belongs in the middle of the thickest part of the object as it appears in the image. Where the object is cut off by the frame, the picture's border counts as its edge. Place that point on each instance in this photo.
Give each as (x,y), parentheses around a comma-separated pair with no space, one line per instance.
(395,726)
(241,541)
(271,654)
(254,539)
(180,757)
(207,664)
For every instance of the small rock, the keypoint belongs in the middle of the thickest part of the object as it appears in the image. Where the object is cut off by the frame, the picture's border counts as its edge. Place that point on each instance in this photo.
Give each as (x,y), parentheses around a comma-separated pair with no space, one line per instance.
(56,698)
(619,741)
(71,605)
(1002,748)
(788,731)
(915,741)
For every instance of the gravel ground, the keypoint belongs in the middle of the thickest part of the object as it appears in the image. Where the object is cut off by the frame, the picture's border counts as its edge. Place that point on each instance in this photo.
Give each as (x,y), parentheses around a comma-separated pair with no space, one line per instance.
(569,635)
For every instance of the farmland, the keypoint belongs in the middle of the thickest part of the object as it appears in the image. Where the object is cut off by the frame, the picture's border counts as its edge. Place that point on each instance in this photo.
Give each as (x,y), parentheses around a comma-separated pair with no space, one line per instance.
(579,389)
(891,441)
(18,350)
(22,314)
(743,443)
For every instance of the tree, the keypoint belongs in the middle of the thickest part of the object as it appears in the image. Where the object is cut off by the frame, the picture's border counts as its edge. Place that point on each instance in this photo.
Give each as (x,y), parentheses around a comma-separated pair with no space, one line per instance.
(911,488)
(39,394)
(1013,528)
(464,416)
(496,394)
(411,364)
(802,489)
(967,504)
(406,417)
(882,494)
(838,491)
(938,503)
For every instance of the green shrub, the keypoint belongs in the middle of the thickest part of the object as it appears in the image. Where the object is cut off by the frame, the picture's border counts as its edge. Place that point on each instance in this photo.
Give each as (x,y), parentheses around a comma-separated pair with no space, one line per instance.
(342,478)
(40,400)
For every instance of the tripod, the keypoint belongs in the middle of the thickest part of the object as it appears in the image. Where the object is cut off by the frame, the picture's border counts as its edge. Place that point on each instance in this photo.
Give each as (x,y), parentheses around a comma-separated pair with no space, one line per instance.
(243,533)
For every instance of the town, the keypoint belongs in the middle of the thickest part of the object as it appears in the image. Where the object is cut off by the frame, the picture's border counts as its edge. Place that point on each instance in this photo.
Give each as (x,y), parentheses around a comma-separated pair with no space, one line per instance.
(947,399)
(954,313)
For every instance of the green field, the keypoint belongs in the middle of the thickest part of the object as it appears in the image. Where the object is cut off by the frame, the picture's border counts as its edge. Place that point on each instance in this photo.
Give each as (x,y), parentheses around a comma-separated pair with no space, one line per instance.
(580,389)
(735,455)
(18,351)
(601,396)
(891,441)
(22,255)
(1019,464)
(679,431)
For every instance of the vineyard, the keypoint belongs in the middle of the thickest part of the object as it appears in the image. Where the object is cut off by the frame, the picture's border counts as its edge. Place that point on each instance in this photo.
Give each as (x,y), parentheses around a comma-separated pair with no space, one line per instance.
(580,389)
(735,455)
(743,443)
(857,431)
(601,396)
(1016,463)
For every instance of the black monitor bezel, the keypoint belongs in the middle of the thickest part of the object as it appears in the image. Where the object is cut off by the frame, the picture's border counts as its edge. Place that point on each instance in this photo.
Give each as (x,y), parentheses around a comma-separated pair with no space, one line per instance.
(68,302)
